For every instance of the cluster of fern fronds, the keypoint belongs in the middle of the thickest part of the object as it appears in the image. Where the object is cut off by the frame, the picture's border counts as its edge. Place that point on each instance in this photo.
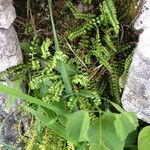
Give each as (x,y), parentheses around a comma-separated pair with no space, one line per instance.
(96,67)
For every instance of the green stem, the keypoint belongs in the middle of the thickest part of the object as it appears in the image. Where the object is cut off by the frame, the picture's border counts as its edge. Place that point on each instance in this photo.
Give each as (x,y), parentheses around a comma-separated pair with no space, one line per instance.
(63,70)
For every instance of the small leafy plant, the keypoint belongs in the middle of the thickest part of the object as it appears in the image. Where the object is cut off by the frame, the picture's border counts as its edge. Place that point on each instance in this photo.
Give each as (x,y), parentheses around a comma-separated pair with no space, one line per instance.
(74,83)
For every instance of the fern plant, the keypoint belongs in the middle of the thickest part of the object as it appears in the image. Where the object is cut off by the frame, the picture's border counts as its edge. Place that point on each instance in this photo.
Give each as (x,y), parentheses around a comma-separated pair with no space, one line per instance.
(72,86)
(107,16)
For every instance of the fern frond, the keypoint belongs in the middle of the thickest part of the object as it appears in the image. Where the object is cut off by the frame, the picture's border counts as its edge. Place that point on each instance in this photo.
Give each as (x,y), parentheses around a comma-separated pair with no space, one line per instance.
(102,58)
(84,41)
(85,28)
(54,92)
(123,77)
(109,9)
(45,48)
(100,50)
(72,8)
(102,86)
(104,61)
(109,42)
(53,63)
(80,79)
(39,81)
(114,84)
(124,48)
(77,14)
(127,63)
(15,72)
(87,1)
(78,33)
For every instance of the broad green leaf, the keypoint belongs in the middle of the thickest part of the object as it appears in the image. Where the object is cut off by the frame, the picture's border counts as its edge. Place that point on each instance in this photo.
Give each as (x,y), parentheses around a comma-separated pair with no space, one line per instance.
(130,116)
(94,133)
(125,123)
(100,146)
(78,125)
(95,137)
(131,139)
(109,135)
(30,99)
(144,139)
(124,126)
(130,147)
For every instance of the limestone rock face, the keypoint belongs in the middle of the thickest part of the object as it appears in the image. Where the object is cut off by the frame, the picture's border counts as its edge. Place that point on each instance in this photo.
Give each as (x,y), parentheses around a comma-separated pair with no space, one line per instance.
(10,52)
(9,121)
(136,95)
(10,55)
(7,17)
(5,3)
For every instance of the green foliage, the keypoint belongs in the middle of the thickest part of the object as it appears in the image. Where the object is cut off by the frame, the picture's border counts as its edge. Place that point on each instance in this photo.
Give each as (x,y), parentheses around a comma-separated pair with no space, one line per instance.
(63,70)
(87,1)
(2,145)
(72,83)
(12,99)
(77,14)
(107,125)
(45,48)
(110,125)
(85,28)
(108,15)
(122,79)
(108,131)
(72,8)
(109,10)
(78,125)
(143,139)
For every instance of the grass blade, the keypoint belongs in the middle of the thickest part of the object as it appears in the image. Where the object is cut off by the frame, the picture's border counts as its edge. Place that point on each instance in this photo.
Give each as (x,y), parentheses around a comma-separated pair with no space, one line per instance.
(52,124)
(30,99)
(63,70)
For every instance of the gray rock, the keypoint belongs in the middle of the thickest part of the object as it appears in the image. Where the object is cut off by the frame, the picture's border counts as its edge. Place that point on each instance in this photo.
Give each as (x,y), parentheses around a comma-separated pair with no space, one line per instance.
(5,3)
(10,55)
(9,122)
(7,17)
(13,123)
(10,52)
(136,95)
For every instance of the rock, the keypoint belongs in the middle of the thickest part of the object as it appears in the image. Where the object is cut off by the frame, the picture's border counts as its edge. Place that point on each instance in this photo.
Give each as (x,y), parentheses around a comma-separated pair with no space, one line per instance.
(5,3)
(10,52)
(7,17)
(10,55)
(136,95)
(9,122)
(13,123)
